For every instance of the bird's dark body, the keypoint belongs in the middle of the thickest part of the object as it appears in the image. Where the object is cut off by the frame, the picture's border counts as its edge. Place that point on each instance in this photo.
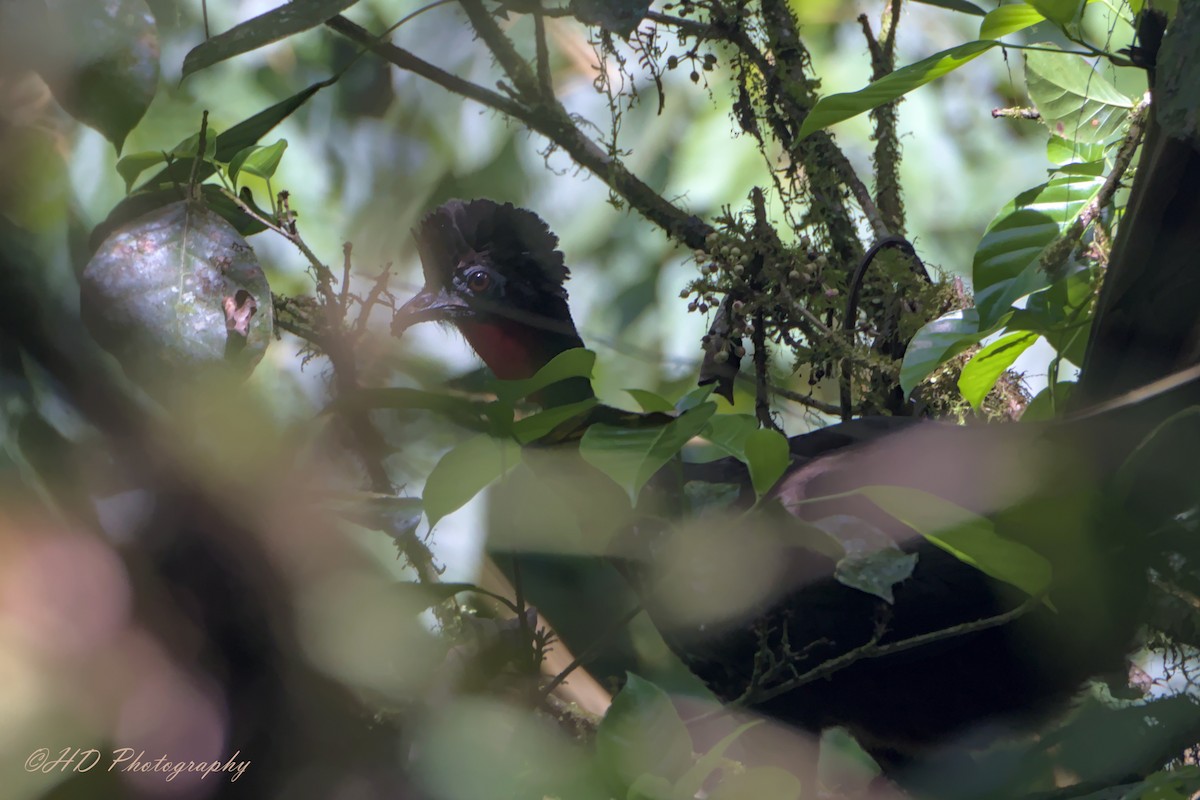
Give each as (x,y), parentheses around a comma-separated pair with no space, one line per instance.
(989,681)
(1048,488)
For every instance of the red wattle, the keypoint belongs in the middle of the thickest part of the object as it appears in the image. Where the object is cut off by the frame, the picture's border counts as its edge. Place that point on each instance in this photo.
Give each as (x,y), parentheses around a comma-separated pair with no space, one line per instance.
(509,351)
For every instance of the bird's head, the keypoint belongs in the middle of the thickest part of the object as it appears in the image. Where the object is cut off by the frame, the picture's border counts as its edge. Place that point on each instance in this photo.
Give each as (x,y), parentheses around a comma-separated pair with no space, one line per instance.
(494,272)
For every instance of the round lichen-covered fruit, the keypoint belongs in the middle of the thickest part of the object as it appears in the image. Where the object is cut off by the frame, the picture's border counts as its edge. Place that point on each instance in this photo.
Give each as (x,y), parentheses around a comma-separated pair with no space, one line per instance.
(176,293)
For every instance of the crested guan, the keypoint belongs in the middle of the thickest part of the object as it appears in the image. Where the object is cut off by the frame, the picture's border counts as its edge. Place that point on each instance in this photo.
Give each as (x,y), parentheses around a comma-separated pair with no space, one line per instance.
(955,652)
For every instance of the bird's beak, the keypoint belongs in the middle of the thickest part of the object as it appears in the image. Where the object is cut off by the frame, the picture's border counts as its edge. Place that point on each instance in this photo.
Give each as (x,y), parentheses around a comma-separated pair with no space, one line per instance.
(429,305)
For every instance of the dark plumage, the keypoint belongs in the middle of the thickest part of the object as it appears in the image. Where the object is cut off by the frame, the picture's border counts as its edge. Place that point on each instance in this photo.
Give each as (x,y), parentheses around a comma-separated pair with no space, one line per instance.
(1048,487)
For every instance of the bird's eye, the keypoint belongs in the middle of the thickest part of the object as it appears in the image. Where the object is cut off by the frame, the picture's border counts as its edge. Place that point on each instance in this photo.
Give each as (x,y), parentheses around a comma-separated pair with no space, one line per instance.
(479,280)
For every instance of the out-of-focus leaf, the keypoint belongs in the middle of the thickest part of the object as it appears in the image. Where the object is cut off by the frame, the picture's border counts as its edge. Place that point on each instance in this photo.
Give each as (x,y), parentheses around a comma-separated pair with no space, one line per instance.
(758,782)
(985,367)
(278,23)
(258,160)
(395,516)
(965,535)
(113,70)
(767,457)
(956,5)
(576,363)
(1006,19)
(650,402)
(838,107)
(642,734)
(158,292)
(237,138)
(631,456)
(464,471)
(424,595)
(464,412)
(1076,102)
(692,781)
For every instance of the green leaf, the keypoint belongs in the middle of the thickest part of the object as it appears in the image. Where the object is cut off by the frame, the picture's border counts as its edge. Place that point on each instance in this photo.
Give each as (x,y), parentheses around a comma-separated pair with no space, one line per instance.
(727,433)
(838,107)
(1060,152)
(936,343)
(965,535)
(237,138)
(132,166)
(768,457)
(876,572)
(631,456)
(464,471)
(694,398)
(985,367)
(575,363)
(1058,314)
(1060,12)
(261,161)
(1076,102)
(650,402)
(1003,20)
(535,426)
(1006,266)
(642,734)
(956,5)
(1049,403)
(278,23)
(188,148)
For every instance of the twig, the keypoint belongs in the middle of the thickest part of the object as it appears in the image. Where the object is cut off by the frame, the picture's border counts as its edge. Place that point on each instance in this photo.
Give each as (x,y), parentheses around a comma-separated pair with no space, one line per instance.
(193,189)
(553,122)
(377,290)
(343,299)
(887,145)
(872,649)
(502,48)
(332,341)
(805,400)
(590,651)
(1055,255)
(762,403)
(1016,112)
(545,81)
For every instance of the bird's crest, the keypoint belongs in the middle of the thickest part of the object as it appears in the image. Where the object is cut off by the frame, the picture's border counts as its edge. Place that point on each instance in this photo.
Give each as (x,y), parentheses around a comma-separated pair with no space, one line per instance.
(516,241)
